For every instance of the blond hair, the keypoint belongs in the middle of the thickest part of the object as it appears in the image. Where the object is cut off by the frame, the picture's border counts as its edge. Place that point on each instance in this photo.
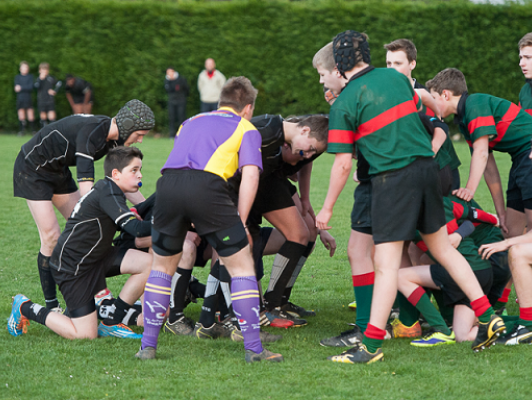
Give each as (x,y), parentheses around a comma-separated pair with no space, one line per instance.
(324,58)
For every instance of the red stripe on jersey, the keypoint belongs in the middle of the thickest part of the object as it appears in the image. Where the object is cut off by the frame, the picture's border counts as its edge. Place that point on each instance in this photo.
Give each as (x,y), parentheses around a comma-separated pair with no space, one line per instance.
(452,226)
(341,136)
(458,210)
(386,118)
(504,123)
(422,246)
(416,98)
(480,122)
(469,143)
(430,113)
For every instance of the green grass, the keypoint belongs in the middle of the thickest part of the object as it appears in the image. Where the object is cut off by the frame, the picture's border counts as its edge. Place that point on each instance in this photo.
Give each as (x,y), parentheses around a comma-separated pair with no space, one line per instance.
(41,365)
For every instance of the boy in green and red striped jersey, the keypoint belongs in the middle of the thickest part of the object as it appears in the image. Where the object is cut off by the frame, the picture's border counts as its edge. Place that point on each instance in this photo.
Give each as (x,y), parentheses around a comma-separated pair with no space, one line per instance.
(378,110)
(489,123)
(525,62)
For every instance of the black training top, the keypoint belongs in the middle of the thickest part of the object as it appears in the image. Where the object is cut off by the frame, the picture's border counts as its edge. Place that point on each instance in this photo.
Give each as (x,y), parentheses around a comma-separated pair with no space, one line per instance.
(78,89)
(271,130)
(89,231)
(43,86)
(76,140)
(26,84)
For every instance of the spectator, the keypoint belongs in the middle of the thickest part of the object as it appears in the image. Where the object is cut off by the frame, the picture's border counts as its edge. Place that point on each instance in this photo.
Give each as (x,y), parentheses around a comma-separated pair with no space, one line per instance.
(23,88)
(210,83)
(177,88)
(79,94)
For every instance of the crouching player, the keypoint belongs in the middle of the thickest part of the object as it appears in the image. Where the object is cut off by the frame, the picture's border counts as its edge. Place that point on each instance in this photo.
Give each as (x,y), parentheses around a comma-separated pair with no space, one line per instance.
(84,256)
(209,148)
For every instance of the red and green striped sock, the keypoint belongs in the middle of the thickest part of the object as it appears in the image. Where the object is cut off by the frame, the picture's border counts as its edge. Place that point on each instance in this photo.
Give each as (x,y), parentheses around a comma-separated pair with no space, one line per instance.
(501,302)
(482,309)
(419,299)
(363,286)
(373,338)
(525,317)
(408,314)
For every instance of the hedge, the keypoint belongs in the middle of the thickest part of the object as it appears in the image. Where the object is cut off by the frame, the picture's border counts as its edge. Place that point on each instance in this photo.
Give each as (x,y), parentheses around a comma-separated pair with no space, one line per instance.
(123,48)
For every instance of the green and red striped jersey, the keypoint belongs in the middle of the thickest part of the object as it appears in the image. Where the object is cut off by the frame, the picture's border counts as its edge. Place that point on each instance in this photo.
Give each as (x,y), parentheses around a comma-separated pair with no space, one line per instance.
(525,97)
(378,110)
(508,127)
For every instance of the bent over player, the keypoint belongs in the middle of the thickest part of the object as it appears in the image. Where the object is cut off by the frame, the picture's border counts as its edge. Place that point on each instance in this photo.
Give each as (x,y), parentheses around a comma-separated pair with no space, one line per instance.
(209,149)
(42,176)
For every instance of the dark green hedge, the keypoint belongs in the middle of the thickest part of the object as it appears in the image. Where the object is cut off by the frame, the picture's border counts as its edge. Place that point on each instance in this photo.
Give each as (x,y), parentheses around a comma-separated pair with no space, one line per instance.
(123,48)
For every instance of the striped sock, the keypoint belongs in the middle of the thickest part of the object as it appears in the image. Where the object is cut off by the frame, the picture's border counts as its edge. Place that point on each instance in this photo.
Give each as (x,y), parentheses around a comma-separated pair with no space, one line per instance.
(525,317)
(245,298)
(156,301)
(373,338)
(482,309)
(363,286)
(419,299)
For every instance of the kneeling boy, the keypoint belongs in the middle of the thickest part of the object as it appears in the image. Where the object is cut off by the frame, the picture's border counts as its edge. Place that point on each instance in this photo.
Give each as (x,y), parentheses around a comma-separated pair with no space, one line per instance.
(84,256)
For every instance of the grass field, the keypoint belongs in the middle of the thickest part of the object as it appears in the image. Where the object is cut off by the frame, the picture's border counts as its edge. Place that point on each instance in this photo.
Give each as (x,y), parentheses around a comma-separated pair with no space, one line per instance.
(42,365)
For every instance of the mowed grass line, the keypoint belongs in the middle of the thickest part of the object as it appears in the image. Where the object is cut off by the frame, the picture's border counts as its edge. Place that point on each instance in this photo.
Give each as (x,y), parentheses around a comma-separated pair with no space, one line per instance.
(41,365)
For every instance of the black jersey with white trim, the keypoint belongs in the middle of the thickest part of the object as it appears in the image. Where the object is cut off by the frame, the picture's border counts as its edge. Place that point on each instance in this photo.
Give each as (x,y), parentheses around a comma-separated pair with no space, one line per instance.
(76,140)
(271,130)
(89,231)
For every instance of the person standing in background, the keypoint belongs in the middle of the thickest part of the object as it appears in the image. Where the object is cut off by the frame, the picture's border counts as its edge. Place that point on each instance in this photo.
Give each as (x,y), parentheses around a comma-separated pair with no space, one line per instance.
(210,83)
(23,88)
(177,88)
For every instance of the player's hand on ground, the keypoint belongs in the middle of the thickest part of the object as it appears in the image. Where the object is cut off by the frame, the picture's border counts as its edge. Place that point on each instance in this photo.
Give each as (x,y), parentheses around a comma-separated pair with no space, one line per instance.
(464,194)
(323,218)
(487,250)
(455,239)
(328,241)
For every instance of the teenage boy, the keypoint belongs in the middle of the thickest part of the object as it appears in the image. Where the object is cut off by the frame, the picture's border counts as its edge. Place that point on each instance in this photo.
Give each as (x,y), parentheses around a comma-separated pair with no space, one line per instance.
(209,149)
(360,247)
(401,55)
(42,176)
(489,123)
(79,94)
(24,89)
(47,87)
(525,62)
(84,256)
(405,188)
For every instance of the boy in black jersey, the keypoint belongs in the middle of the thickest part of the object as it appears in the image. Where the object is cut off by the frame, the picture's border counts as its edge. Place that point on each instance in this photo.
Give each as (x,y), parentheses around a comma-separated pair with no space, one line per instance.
(47,87)
(42,176)
(84,256)
(79,94)
(24,89)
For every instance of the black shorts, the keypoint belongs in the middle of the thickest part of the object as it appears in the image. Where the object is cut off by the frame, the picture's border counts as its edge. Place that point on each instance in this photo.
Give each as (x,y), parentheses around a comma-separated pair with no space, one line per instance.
(80,99)
(456,179)
(79,290)
(47,107)
(446,180)
(40,185)
(407,200)
(519,193)
(274,193)
(24,103)
(452,294)
(501,275)
(361,213)
(186,197)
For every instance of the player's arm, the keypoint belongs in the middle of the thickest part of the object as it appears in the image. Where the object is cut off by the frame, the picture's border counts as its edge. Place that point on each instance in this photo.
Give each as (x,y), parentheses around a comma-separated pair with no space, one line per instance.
(304,188)
(487,250)
(340,172)
(493,180)
(479,160)
(440,134)
(428,101)
(70,99)
(87,97)
(248,190)
(85,187)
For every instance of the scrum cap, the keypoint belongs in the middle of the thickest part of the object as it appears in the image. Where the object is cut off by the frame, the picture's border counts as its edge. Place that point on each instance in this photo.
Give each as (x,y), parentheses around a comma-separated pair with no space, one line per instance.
(350,48)
(134,116)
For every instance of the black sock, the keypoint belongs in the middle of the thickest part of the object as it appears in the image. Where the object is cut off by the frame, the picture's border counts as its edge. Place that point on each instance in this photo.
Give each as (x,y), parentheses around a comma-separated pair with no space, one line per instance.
(21,126)
(32,126)
(288,291)
(34,312)
(47,281)
(106,309)
(225,289)
(284,265)
(43,123)
(179,293)
(121,309)
(197,289)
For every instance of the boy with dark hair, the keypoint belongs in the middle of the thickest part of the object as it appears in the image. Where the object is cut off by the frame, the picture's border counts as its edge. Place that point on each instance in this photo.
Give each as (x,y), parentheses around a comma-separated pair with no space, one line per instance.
(41,174)
(525,62)
(402,56)
(24,89)
(47,87)
(84,257)
(209,149)
(177,88)
(490,123)
(405,190)
(79,94)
